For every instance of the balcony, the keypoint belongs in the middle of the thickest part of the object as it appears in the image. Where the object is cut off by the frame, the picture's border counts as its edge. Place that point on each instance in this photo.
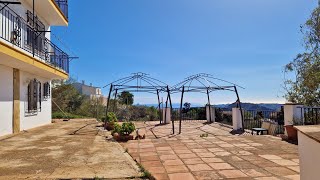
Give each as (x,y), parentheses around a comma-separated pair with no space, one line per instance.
(63,5)
(54,12)
(28,36)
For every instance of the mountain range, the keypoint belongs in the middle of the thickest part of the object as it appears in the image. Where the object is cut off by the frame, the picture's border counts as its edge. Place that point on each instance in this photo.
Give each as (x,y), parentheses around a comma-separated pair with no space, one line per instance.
(247,106)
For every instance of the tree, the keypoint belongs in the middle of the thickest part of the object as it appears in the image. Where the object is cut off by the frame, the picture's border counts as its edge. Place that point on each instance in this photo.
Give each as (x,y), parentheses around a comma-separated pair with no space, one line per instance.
(302,75)
(125,97)
(67,97)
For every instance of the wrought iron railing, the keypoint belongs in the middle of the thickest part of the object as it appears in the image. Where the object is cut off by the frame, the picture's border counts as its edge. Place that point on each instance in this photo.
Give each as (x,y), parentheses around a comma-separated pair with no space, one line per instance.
(254,118)
(29,37)
(310,115)
(63,5)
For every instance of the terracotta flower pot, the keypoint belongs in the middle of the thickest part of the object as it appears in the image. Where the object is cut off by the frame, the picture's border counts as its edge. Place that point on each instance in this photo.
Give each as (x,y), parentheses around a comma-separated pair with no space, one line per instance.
(292,133)
(110,126)
(122,138)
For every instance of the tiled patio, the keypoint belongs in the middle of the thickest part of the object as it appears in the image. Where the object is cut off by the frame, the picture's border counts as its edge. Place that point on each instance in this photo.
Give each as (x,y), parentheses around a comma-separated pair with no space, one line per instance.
(221,155)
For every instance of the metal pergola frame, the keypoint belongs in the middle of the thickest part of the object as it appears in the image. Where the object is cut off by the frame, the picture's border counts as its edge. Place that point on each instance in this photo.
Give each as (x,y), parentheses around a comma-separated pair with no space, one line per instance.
(207,86)
(153,86)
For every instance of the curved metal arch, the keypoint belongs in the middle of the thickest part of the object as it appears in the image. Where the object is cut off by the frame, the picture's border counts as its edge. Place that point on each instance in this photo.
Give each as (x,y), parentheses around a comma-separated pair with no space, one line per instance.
(206,83)
(139,82)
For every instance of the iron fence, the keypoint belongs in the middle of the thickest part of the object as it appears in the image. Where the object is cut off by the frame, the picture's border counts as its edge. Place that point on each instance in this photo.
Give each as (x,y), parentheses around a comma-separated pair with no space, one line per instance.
(63,5)
(311,115)
(254,118)
(29,35)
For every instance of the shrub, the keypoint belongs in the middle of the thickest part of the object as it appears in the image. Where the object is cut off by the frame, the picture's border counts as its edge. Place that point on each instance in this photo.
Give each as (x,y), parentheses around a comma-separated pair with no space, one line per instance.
(126,128)
(116,129)
(111,118)
(60,115)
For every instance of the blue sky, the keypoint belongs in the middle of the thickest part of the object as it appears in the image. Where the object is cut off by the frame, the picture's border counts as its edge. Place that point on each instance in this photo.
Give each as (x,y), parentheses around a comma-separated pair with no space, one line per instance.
(244,41)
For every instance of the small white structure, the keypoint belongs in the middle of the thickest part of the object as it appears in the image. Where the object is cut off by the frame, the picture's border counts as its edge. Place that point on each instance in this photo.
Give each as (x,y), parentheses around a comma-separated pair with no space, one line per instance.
(166,115)
(309,148)
(211,118)
(236,119)
(293,113)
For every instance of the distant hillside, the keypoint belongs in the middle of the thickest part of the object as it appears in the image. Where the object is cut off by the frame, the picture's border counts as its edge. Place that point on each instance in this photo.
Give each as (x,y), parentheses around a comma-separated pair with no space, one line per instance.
(252,106)
(248,106)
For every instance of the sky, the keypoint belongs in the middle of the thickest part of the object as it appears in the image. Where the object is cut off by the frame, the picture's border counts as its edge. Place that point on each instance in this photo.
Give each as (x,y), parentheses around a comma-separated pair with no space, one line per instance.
(247,42)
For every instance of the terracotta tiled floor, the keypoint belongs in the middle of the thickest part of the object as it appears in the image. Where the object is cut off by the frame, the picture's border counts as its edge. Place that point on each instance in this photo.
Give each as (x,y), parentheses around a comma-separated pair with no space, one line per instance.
(221,155)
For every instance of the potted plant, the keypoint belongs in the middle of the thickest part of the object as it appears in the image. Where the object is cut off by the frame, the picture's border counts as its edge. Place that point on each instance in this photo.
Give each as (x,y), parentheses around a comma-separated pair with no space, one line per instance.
(291,131)
(123,132)
(111,120)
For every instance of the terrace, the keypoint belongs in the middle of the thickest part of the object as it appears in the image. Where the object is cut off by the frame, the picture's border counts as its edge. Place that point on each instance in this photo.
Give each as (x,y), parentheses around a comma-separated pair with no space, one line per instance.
(220,155)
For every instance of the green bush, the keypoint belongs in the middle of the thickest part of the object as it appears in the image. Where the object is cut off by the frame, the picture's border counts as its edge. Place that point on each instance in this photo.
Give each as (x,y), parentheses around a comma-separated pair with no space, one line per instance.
(116,129)
(111,117)
(126,128)
(60,115)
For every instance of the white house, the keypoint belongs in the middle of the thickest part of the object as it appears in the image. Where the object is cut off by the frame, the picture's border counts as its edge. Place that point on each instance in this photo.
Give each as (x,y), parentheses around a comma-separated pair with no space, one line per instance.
(29,61)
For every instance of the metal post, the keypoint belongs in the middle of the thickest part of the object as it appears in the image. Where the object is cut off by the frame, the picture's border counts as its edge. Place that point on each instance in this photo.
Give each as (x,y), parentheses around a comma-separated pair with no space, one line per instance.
(235,89)
(209,105)
(159,105)
(115,101)
(108,101)
(33,34)
(181,109)
(168,90)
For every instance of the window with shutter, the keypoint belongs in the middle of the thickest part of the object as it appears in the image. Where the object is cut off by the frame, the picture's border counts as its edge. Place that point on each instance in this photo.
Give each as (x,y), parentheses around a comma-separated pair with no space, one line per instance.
(46,90)
(34,96)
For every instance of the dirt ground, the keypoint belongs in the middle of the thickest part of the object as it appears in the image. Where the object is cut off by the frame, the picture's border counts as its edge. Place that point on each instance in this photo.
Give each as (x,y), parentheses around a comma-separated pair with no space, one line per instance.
(74,149)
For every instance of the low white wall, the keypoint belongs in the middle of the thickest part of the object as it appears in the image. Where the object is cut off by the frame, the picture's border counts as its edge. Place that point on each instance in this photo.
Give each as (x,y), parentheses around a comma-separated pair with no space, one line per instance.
(236,119)
(6,100)
(213,114)
(166,115)
(28,120)
(309,157)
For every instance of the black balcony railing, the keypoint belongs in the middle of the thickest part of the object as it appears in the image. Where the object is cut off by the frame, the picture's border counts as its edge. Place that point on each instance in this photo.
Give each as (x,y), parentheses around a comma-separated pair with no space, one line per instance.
(30,36)
(63,4)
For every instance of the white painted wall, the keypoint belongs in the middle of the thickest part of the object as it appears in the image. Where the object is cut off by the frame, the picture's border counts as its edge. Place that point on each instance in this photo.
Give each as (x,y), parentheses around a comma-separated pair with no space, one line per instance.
(166,115)
(309,157)
(236,119)
(292,112)
(6,100)
(28,121)
(213,114)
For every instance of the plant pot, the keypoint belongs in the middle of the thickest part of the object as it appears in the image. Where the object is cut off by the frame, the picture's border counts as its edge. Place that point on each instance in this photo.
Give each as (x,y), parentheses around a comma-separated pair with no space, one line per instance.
(292,133)
(122,138)
(110,126)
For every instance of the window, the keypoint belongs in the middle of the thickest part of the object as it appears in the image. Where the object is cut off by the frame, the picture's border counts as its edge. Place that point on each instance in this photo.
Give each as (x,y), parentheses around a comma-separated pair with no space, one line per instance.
(46,90)
(34,96)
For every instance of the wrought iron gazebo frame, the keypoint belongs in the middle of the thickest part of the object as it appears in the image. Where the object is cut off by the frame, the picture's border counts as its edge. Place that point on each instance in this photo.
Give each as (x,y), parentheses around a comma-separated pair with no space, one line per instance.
(154,86)
(206,87)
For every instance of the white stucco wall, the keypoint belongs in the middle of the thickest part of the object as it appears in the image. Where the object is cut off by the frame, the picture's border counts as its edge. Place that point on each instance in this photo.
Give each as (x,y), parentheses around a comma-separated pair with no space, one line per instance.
(309,157)
(6,99)
(41,118)
(213,114)
(236,119)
